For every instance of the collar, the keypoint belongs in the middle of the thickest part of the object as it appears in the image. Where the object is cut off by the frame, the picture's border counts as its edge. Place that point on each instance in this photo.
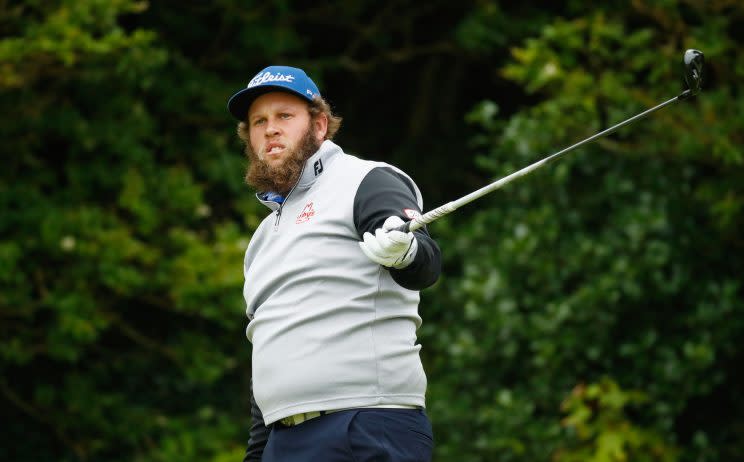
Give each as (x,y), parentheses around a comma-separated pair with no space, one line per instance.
(317,163)
(314,167)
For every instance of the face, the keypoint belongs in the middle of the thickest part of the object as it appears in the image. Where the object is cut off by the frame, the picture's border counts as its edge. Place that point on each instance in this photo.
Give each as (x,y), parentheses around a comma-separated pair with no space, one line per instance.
(278,123)
(282,136)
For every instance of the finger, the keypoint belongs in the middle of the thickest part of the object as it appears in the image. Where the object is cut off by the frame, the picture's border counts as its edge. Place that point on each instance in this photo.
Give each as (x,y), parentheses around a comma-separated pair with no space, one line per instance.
(400,237)
(387,244)
(373,245)
(392,240)
(369,254)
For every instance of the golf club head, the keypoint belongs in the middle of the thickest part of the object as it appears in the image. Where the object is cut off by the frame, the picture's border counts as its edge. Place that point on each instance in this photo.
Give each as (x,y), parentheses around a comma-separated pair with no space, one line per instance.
(694,61)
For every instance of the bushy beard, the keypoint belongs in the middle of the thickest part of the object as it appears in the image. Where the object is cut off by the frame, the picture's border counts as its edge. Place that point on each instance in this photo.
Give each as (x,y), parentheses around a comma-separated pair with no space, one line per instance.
(264,177)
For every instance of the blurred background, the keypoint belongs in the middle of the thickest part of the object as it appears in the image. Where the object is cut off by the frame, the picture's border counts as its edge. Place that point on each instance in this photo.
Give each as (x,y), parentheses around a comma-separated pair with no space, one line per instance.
(587,312)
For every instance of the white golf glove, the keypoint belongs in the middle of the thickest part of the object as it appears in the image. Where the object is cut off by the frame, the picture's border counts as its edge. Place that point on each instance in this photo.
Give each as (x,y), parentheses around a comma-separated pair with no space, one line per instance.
(390,248)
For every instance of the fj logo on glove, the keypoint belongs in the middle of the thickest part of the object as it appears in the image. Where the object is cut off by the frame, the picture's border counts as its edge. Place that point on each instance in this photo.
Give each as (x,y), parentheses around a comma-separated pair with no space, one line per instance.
(306,213)
(411,214)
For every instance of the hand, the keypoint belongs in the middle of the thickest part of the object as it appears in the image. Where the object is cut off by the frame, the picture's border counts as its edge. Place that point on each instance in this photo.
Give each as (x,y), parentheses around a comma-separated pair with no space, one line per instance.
(390,248)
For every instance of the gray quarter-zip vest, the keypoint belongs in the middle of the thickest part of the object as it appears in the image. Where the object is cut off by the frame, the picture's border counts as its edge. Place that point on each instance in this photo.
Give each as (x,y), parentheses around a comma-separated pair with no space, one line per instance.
(330,329)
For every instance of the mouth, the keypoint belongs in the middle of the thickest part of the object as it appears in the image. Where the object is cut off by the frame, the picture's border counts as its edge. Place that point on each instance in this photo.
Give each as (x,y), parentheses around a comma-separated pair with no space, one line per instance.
(274,149)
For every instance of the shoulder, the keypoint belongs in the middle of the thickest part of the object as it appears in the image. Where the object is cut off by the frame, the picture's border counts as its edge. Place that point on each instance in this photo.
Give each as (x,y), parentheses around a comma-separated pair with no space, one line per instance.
(384,176)
(373,175)
(349,161)
(349,171)
(387,176)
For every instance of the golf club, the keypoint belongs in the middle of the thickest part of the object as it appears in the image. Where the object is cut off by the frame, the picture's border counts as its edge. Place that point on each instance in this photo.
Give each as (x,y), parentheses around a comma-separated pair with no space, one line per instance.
(693,61)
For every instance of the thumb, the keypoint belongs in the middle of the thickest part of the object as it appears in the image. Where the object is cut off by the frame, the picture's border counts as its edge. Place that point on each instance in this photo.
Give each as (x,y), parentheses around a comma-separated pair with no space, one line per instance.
(392,222)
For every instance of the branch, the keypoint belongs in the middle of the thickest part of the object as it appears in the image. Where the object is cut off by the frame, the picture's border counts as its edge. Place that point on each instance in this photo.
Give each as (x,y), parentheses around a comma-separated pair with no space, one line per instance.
(39,416)
(139,338)
(395,56)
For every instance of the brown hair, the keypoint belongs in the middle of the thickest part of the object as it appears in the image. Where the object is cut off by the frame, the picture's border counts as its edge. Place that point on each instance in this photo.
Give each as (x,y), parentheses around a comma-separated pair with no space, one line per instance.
(316,107)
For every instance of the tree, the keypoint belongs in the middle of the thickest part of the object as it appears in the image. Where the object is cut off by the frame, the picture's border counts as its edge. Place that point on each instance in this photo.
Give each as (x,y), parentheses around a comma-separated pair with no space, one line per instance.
(118,272)
(124,218)
(615,261)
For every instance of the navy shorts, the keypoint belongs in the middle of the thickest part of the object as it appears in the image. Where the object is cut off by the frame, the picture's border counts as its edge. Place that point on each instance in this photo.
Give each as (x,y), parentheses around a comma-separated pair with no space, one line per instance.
(355,435)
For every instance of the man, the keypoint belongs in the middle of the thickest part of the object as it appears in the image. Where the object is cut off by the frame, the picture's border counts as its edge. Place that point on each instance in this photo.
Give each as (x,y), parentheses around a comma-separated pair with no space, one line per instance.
(331,289)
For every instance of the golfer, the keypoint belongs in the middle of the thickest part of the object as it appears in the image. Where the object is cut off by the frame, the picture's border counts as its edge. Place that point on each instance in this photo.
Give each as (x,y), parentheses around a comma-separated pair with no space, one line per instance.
(332,293)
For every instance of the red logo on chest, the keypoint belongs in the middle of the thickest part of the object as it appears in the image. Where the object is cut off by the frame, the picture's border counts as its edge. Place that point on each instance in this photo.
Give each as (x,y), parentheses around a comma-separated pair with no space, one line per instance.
(306,214)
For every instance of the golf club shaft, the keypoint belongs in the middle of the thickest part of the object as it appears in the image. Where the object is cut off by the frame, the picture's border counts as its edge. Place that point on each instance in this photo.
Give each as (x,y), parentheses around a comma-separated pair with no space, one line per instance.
(450,207)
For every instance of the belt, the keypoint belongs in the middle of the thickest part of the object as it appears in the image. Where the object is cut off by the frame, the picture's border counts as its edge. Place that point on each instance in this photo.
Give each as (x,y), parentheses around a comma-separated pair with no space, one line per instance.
(296,419)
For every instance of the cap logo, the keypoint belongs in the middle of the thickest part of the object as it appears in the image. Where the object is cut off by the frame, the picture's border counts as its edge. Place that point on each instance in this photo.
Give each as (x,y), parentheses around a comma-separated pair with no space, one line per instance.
(269,77)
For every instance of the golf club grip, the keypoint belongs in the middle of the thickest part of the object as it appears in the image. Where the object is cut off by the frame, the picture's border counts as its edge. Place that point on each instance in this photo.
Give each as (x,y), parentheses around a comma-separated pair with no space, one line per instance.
(428,217)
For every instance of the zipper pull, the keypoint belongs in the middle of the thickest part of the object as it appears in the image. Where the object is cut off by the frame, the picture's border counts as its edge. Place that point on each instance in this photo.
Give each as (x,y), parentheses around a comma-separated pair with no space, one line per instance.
(278,216)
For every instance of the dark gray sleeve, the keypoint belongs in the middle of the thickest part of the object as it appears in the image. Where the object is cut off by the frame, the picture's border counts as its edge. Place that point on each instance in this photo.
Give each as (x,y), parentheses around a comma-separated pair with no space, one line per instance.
(383,193)
(259,433)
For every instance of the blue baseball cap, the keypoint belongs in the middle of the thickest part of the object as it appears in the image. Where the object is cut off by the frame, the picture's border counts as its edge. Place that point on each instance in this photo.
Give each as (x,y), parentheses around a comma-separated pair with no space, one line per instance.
(273,78)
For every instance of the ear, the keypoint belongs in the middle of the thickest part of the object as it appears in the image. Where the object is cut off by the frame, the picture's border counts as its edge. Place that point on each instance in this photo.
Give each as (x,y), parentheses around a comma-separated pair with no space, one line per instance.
(320,124)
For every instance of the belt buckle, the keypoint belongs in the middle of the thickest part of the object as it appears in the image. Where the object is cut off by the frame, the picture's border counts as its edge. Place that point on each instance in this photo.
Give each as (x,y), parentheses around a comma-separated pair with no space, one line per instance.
(296,419)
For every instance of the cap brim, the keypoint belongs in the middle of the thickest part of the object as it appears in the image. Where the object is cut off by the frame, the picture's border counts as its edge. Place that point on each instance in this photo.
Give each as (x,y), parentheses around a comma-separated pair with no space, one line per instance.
(241,101)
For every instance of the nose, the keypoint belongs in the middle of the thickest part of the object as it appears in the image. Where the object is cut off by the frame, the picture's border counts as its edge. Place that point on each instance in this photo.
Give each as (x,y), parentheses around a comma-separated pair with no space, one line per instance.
(271,128)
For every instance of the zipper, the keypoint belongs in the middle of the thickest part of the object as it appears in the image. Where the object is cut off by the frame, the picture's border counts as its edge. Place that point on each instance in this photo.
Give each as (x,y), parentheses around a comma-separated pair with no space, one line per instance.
(279,211)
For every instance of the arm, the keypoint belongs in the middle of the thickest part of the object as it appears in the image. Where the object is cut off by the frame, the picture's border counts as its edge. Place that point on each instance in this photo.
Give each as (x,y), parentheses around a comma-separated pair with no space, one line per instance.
(384,193)
(259,433)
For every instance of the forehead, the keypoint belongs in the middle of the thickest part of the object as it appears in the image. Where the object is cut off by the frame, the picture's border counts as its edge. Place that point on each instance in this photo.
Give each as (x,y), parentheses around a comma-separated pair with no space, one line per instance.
(275,100)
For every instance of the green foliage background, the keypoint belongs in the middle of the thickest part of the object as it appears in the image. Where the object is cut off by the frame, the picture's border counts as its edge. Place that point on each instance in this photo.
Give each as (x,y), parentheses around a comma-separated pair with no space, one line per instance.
(588,312)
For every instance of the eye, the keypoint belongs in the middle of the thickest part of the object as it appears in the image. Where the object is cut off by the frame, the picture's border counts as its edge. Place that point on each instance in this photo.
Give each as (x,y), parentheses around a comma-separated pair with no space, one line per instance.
(258,121)
(285,115)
